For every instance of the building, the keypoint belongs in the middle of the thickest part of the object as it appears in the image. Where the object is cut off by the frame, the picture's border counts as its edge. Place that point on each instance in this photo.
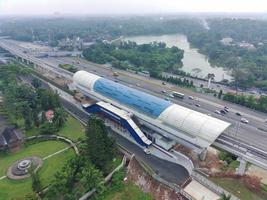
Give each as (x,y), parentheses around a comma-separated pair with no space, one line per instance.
(10,139)
(153,118)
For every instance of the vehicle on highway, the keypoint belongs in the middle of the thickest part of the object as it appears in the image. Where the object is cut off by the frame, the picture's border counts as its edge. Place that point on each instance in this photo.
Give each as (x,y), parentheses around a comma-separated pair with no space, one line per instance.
(167,99)
(163,83)
(190,97)
(138,85)
(223,112)
(238,114)
(197,105)
(226,108)
(115,74)
(217,112)
(178,95)
(171,95)
(147,151)
(163,91)
(244,120)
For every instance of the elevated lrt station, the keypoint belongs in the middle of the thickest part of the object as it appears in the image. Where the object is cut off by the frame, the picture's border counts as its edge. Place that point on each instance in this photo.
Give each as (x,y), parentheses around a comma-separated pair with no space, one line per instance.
(147,119)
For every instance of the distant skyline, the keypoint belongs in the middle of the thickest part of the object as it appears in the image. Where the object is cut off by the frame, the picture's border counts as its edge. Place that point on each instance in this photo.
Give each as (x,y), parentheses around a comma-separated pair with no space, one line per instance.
(106,7)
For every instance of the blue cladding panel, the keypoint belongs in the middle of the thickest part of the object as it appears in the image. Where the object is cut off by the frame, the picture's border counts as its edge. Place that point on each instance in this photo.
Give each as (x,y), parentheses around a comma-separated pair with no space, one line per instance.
(98,109)
(143,102)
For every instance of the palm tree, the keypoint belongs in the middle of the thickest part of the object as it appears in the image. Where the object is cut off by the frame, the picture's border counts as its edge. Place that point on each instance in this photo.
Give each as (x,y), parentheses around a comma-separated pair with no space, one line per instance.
(225,197)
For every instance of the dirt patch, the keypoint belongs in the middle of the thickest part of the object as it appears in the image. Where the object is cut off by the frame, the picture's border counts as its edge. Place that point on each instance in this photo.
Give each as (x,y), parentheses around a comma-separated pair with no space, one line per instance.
(257,171)
(159,191)
(212,163)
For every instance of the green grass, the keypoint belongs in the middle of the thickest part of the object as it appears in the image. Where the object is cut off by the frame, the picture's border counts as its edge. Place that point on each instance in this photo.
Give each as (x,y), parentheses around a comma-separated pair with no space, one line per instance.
(129,191)
(237,188)
(72,129)
(11,189)
(41,149)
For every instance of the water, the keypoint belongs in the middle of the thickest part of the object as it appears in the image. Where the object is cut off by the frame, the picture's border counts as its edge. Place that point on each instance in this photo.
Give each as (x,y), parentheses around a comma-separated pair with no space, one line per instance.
(194,62)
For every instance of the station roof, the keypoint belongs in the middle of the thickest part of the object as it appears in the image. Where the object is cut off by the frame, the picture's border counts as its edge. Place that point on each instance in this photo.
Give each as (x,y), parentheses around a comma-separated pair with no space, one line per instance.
(195,124)
(141,101)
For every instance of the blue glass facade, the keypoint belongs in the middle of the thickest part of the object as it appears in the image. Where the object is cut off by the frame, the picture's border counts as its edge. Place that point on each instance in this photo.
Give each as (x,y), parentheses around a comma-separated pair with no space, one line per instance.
(143,102)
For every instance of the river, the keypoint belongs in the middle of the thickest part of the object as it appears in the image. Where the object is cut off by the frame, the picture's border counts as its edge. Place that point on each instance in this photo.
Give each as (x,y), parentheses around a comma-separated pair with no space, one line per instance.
(194,62)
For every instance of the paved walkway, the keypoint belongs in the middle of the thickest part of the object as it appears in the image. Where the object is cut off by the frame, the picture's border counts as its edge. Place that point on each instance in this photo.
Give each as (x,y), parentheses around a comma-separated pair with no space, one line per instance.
(200,192)
(58,152)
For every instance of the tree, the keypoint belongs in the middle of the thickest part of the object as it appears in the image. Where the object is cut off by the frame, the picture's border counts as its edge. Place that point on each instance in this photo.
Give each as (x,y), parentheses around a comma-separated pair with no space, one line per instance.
(36,83)
(76,177)
(220,94)
(225,197)
(60,118)
(36,183)
(99,147)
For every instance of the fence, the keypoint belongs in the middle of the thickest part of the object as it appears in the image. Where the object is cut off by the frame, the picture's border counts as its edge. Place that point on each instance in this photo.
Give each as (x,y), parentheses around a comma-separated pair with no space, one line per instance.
(212,186)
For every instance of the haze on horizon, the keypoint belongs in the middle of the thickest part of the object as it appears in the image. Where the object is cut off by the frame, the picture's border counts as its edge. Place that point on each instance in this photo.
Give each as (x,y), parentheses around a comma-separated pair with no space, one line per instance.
(105,7)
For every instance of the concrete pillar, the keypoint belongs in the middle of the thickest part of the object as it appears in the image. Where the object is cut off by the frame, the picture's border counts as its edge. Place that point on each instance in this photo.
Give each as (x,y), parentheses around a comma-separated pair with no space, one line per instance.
(242,166)
(202,156)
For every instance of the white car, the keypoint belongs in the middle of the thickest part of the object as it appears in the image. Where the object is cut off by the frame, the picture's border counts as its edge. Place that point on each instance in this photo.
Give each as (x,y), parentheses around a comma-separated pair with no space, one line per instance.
(163,91)
(244,120)
(217,112)
(190,97)
(171,95)
(147,151)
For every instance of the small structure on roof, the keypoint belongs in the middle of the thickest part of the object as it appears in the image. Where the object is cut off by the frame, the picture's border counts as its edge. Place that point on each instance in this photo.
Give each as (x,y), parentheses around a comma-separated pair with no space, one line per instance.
(10,138)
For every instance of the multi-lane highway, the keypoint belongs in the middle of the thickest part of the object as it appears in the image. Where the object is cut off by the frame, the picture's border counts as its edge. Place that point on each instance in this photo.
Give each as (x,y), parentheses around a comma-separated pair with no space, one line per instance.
(253,134)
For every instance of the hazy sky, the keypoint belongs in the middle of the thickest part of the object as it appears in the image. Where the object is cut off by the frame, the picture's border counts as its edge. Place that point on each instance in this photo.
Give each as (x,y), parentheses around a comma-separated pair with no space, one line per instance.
(35,7)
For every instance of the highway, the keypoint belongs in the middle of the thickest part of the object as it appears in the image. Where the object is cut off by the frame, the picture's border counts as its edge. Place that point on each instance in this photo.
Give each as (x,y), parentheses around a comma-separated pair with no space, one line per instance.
(252,135)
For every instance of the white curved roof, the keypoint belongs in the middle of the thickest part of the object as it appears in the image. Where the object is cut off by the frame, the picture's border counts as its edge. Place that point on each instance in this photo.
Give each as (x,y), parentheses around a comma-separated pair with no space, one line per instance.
(85,79)
(195,124)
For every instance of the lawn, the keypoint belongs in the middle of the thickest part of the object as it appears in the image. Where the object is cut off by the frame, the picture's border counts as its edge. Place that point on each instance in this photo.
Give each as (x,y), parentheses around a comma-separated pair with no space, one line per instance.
(41,149)
(237,188)
(129,191)
(72,129)
(11,189)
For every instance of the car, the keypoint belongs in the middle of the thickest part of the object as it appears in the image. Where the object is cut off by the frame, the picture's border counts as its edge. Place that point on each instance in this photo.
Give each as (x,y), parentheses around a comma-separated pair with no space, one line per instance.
(163,83)
(138,85)
(238,114)
(223,112)
(244,120)
(167,99)
(171,95)
(217,112)
(226,109)
(163,91)
(190,97)
(197,105)
(147,151)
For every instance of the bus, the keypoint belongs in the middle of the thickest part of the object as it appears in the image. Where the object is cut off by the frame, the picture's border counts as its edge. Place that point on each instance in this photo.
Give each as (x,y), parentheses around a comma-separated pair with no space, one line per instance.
(178,95)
